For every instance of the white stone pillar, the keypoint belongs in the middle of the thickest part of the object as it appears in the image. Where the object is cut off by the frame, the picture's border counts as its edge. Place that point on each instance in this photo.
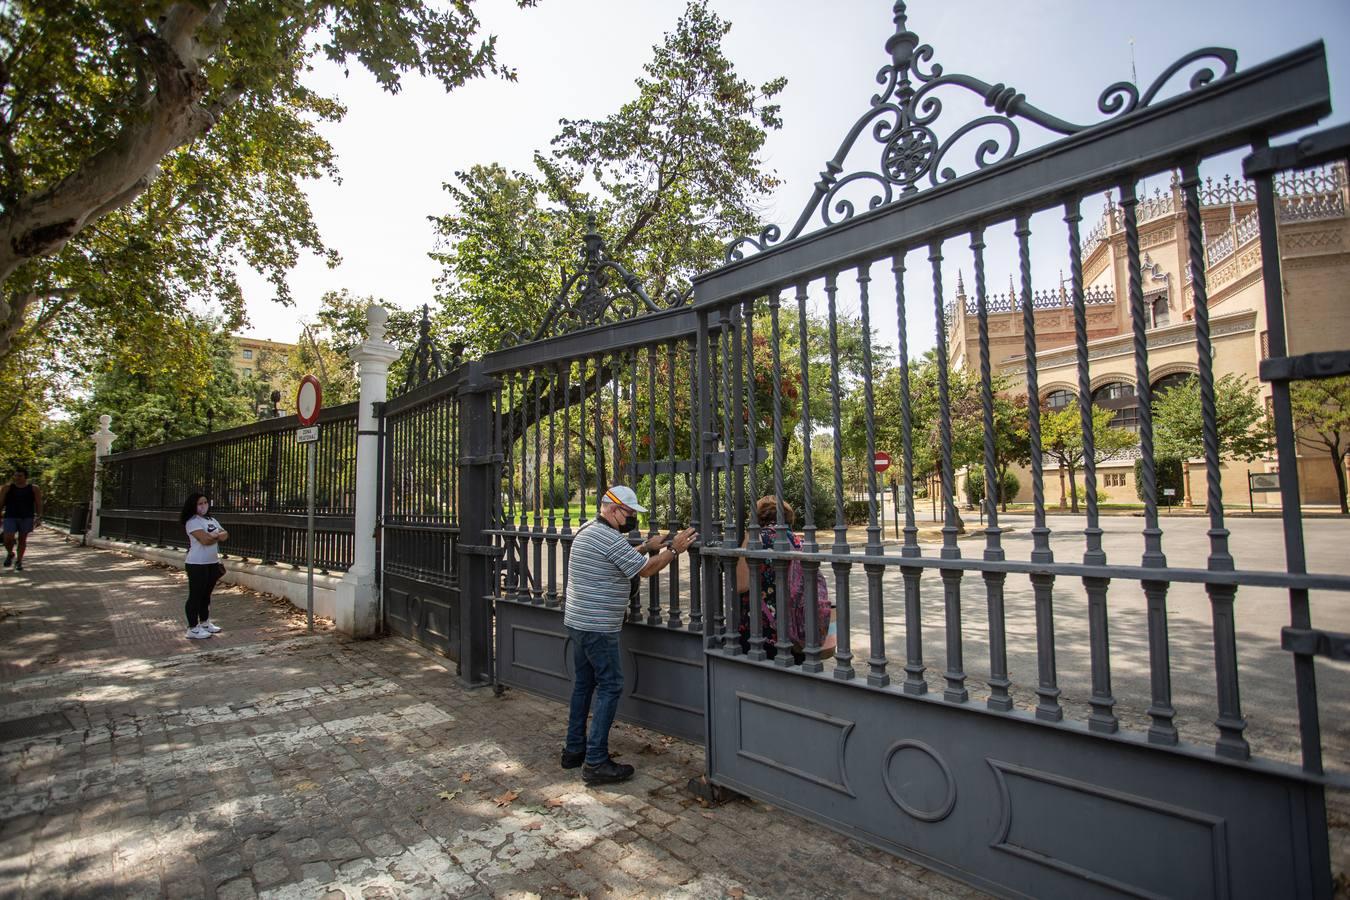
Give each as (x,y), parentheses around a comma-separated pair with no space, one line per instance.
(103,441)
(357,611)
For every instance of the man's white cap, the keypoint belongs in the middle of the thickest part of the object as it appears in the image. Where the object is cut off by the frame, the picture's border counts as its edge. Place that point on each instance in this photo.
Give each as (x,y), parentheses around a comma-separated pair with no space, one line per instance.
(623,495)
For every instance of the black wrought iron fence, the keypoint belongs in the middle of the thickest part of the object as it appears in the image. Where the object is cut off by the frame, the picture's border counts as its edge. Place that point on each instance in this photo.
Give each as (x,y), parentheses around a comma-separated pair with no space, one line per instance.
(571,428)
(255,477)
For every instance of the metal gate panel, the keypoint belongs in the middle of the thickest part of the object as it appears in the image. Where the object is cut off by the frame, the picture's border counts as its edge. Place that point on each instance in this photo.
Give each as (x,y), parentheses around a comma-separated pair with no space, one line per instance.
(1078,796)
(424,612)
(1005,803)
(663,678)
(419,546)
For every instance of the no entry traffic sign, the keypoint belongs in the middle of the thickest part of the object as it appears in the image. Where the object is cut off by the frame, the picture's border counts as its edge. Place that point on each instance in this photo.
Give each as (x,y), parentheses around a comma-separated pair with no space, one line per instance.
(308,400)
(882,461)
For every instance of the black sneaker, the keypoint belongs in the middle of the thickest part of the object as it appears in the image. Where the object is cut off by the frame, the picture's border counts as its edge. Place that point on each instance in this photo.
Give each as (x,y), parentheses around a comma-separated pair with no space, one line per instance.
(18,567)
(9,560)
(573,760)
(608,772)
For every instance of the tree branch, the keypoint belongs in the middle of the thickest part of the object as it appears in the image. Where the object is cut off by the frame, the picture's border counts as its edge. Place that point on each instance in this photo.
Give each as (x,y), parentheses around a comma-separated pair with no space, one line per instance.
(41,224)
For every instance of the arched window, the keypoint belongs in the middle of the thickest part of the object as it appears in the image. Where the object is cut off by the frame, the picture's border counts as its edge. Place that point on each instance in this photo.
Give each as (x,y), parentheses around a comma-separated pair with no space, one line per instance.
(1119,397)
(1057,400)
(1167,382)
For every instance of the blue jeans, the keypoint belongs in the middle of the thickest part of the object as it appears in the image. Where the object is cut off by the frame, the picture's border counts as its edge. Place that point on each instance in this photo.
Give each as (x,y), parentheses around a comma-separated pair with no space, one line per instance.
(595,660)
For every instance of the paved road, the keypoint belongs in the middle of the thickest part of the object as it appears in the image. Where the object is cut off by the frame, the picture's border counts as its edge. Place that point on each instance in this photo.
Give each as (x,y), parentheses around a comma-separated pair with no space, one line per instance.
(1265,671)
(265,762)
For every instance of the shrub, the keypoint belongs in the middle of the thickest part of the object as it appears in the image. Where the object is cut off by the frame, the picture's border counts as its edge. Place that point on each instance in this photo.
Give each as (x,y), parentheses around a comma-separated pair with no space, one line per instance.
(1168,469)
(975,487)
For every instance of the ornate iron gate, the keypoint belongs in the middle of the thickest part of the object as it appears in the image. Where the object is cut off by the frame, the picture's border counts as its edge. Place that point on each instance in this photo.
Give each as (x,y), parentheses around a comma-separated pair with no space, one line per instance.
(598,395)
(420,570)
(1011,784)
(1010,793)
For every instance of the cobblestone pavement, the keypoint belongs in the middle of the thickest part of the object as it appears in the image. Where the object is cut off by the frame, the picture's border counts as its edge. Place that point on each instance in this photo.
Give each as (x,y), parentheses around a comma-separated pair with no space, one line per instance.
(267,762)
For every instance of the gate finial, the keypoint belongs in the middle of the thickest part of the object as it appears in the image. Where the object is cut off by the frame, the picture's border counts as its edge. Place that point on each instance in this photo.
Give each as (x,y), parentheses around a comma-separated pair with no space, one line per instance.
(427,363)
(595,302)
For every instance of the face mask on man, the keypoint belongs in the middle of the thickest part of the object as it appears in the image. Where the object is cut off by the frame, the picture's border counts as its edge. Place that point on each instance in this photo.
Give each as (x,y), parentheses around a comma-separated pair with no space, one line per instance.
(630,522)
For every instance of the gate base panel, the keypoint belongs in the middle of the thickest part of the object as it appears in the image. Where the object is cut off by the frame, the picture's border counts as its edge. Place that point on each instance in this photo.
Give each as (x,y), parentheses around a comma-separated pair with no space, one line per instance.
(1007,804)
(663,686)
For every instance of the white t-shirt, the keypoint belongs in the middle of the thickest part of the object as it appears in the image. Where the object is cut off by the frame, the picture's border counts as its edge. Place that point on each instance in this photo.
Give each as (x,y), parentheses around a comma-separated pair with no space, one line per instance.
(199,553)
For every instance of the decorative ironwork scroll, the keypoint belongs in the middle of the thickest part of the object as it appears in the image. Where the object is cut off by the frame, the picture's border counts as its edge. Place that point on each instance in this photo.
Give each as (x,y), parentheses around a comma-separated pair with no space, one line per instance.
(428,363)
(902,120)
(596,293)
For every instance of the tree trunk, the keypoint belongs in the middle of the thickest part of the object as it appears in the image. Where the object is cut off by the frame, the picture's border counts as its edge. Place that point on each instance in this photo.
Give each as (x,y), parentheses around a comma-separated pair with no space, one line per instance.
(40,224)
(1073,488)
(1338,459)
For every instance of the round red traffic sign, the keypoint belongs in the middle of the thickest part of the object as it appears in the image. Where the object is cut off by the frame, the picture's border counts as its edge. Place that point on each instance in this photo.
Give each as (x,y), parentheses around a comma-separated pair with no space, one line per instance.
(882,461)
(308,400)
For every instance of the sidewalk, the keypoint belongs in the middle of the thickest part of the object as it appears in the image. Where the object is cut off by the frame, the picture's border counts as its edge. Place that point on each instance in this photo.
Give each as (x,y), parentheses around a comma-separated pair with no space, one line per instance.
(267,762)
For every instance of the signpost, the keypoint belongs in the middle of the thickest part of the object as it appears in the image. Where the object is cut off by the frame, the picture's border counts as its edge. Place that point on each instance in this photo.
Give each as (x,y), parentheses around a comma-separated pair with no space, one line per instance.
(881,462)
(1261,483)
(308,403)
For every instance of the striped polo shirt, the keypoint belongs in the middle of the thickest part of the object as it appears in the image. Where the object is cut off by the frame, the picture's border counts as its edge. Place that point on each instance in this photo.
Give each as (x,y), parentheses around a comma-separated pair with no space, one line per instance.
(600,569)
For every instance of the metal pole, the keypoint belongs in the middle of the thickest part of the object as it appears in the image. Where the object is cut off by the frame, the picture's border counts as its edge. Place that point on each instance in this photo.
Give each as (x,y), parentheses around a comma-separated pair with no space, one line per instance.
(309,538)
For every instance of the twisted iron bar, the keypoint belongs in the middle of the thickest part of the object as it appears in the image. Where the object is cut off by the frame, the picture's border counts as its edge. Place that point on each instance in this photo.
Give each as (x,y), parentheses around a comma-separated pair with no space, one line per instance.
(914,684)
(808,500)
(1092,533)
(1040,533)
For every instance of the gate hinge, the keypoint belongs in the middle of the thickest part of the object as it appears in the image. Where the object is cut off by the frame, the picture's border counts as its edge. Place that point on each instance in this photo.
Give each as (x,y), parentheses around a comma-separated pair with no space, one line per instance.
(481,550)
(1307,367)
(1315,642)
(487,459)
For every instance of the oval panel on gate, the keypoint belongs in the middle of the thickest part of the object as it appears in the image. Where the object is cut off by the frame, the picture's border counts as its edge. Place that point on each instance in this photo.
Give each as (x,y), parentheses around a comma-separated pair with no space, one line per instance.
(919,781)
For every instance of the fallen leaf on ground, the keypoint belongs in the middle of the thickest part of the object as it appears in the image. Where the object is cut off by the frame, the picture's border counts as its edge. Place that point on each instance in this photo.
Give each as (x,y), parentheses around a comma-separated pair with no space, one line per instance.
(357,740)
(465,778)
(533,826)
(306,786)
(553,802)
(506,799)
(736,893)
(449,795)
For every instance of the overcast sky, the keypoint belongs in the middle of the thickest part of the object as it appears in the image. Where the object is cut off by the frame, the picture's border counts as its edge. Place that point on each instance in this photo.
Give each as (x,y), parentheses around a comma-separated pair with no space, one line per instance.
(578,59)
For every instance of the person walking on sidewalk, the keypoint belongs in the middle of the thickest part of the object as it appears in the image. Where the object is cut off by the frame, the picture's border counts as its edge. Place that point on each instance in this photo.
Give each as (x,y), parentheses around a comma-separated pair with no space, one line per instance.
(203,564)
(602,565)
(22,506)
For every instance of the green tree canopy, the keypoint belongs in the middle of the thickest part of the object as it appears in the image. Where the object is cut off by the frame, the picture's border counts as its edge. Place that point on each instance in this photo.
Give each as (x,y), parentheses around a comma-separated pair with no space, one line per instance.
(147,147)
(1062,440)
(1243,430)
(1322,417)
(667,176)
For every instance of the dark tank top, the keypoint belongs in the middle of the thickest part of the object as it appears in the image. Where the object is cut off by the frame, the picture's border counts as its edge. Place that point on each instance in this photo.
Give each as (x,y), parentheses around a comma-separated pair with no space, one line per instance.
(19,502)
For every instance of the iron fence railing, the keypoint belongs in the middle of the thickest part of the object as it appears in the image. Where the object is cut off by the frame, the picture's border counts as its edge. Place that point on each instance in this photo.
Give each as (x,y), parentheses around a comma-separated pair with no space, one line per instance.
(255,477)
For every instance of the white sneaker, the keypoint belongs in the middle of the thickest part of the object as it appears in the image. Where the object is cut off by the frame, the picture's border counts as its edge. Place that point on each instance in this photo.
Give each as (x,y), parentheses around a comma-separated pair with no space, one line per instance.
(210,626)
(198,633)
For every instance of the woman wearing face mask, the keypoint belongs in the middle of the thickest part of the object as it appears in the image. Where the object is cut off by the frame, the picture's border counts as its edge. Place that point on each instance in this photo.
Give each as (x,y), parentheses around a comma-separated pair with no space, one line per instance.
(203,564)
